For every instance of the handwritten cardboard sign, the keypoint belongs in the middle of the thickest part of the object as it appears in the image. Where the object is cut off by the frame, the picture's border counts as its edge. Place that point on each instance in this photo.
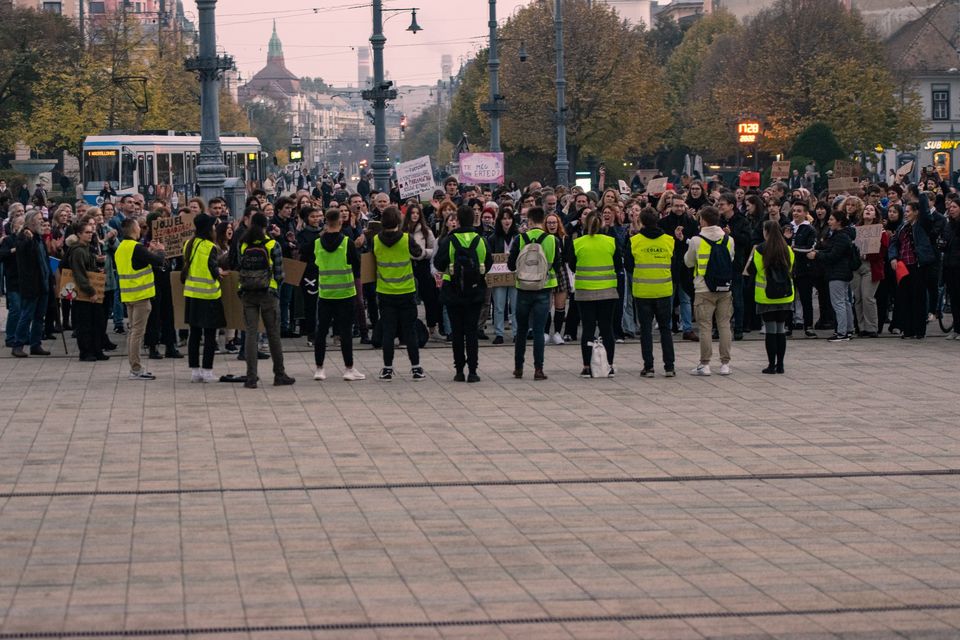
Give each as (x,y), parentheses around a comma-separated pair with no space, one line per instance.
(499,275)
(846,169)
(293,271)
(780,170)
(843,185)
(869,238)
(173,232)
(656,186)
(482,168)
(415,177)
(368,268)
(69,290)
(229,296)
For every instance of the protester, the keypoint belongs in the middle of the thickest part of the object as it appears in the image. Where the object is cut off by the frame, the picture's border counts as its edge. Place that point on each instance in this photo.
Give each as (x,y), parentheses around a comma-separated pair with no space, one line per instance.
(772,264)
(951,263)
(464,258)
(33,271)
(867,278)
(87,313)
(338,270)
(135,275)
(416,226)
(260,267)
(837,253)
(912,247)
(203,304)
(504,235)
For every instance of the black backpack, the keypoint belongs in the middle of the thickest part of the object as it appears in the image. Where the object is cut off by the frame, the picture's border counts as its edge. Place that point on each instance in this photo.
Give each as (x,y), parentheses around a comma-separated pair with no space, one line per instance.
(719,275)
(255,271)
(779,284)
(466,277)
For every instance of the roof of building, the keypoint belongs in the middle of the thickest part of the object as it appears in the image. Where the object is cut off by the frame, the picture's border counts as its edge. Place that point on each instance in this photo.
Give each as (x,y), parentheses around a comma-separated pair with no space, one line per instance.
(929,43)
(274,78)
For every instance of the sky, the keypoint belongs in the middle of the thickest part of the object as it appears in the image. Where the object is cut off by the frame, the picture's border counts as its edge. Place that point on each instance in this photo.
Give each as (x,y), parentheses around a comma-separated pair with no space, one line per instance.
(320,42)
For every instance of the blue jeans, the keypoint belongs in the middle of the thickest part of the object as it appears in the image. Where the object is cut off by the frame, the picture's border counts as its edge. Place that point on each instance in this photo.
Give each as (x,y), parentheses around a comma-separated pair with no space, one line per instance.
(13,316)
(30,325)
(686,309)
(501,295)
(118,311)
(286,297)
(629,317)
(736,286)
(532,310)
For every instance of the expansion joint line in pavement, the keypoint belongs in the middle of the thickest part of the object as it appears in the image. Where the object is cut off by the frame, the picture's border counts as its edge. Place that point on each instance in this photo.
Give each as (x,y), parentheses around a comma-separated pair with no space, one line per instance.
(439,624)
(390,486)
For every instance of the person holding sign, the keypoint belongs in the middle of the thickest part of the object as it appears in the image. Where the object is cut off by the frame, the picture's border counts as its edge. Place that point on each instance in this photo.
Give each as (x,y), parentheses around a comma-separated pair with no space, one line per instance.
(868,276)
(464,258)
(87,313)
(135,264)
(201,290)
(338,269)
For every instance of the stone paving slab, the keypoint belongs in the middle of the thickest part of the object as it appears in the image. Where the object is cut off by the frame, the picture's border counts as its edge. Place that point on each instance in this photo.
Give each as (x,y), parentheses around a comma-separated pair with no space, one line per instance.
(586,541)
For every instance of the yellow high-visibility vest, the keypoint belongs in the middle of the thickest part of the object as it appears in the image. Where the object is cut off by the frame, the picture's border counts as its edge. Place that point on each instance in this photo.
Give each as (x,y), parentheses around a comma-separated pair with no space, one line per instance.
(651,270)
(135,284)
(334,274)
(595,270)
(200,282)
(760,288)
(394,269)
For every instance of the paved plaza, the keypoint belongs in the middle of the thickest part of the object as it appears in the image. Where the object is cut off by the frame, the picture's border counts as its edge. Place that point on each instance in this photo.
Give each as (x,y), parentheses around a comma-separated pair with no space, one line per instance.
(824,503)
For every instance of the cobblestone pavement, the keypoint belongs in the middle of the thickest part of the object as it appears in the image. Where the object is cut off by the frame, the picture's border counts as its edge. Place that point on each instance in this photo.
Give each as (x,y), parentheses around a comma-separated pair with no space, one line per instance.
(824,503)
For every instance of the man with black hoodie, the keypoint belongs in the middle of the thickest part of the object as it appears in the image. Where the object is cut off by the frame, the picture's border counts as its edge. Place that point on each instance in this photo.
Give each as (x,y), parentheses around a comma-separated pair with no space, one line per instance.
(397,291)
(337,268)
(736,225)
(682,275)
(649,263)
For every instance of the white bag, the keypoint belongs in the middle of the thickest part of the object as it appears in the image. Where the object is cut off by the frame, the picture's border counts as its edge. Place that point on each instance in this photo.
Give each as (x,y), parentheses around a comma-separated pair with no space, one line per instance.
(599,368)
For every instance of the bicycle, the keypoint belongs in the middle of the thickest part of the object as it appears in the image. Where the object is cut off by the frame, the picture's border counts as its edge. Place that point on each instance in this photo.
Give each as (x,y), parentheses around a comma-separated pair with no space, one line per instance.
(945,311)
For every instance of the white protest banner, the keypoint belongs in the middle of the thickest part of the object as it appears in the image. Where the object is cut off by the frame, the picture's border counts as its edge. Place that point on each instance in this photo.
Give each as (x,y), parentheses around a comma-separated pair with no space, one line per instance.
(624,187)
(868,238)
(482,168)
(657,186)
(415,177)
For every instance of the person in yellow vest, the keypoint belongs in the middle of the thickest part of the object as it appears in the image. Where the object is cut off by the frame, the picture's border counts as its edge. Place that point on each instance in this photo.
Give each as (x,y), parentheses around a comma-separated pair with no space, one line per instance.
(464,258)
(536,278)
(202,297)
(595,261)
(648,263)
(772,263)
(338,269)
(397,291)
(259,262)
(135,264)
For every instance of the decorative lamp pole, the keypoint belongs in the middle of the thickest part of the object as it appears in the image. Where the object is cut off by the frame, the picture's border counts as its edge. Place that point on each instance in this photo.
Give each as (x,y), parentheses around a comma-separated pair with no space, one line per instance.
(381,92)
(562,165)
(209,67)
(496,106)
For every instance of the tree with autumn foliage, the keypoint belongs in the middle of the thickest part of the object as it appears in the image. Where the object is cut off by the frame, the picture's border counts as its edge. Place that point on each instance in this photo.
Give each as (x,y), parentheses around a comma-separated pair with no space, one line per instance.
(796,63)
(615,87)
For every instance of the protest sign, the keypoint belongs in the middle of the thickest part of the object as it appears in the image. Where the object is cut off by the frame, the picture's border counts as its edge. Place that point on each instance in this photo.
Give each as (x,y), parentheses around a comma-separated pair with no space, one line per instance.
(846,169)
(368,268)
(905,170)
(415,177)
(750,179)
(868,238)
(780,170)
(293,271)
(646,175)
(229,296)
(657,186)
(482,168)
(624,187)
(499,275)
(173,232)
(843,185)
(68,289)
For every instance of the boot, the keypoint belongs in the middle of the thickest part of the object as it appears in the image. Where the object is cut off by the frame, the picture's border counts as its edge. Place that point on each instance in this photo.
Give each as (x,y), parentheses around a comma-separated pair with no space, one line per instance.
(771,342)
(559,316)
(781,351)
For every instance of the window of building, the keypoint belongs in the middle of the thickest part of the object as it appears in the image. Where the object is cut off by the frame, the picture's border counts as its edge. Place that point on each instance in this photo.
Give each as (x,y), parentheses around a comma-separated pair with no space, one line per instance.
(940,101)
(98,7)
(53,7)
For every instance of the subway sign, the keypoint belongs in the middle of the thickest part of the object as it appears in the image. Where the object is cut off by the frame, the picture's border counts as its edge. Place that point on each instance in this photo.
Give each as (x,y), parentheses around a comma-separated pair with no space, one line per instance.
(941,145)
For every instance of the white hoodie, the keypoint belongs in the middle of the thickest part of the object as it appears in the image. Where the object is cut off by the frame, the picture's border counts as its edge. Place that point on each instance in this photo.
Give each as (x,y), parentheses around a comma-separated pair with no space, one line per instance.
(713,234)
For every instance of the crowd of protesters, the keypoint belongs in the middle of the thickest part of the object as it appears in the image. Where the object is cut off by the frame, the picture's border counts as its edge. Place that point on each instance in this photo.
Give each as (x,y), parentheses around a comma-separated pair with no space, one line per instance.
(699,261)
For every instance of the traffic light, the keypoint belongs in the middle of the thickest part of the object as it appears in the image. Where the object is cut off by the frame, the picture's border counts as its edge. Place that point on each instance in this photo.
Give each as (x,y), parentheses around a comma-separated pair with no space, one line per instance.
(296,153)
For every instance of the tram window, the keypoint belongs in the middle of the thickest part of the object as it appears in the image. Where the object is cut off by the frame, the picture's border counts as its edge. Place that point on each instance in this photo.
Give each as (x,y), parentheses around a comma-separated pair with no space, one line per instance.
(128,168)
(151,175)
(141,170)
(191,167)
(100,165)
(178,168)
(163,168)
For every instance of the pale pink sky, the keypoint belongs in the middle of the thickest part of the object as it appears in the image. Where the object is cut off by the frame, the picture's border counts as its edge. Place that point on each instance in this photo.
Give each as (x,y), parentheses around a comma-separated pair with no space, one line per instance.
(319,43)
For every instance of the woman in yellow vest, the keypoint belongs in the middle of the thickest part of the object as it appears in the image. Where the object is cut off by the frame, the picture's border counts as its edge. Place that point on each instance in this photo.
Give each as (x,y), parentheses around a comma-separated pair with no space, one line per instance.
(772,263)
(201,291)
(595,260)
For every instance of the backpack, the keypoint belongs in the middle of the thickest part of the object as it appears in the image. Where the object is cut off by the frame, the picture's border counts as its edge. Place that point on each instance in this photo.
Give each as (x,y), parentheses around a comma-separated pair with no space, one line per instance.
(533,269)
(855,260)
(779,284)
(719,275)
(599,367)
(255,270)
(465,271)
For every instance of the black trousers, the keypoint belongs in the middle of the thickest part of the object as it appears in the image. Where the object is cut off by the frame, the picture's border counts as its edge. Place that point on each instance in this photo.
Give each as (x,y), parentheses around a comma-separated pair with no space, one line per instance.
(399,312)
(910,309)
(573,318)
(597,315)
(339,313)
(951,279)
(428,292)
(107,308)
(804,284)
(309,312)
(618,308)
(827,316)
(160,326)
(463,326)
(88,323)
(209,337)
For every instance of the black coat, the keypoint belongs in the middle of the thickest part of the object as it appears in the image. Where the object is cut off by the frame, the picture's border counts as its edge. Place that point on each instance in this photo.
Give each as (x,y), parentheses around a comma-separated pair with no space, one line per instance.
(31,261)
(835,254)
(8,256)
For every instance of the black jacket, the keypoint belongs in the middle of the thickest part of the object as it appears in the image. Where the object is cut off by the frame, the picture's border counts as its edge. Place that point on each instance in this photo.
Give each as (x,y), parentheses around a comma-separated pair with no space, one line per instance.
(441,261)
(8,256)
(835,254)
(951,244)
(32,266)
(739,229)
(804,239)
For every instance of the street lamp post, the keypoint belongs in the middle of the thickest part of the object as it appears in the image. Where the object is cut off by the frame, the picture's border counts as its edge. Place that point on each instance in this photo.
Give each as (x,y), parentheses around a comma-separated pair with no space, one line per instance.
(209,67)
(496,106)
(562,165)
(379,94)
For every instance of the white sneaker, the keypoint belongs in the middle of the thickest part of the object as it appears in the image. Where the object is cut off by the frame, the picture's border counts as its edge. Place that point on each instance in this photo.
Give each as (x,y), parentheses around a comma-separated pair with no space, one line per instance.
(196,376)
(701,370)
(557,338)
(547,339)
(353,375)
(953,336)
(207,375)
(319,374)
(725,370)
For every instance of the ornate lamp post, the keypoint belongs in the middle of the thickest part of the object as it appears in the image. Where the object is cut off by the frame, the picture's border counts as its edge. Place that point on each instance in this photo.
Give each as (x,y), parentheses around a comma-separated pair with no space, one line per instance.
(562,165)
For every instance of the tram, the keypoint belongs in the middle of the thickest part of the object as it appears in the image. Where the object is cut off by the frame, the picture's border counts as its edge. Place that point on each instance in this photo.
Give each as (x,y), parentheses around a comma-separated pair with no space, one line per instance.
(160,163)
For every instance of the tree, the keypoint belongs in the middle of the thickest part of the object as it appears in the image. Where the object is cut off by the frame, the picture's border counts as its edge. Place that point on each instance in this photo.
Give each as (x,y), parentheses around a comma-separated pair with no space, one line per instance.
(464,115)
(837,76)
(614,85)
(818,143)
(421,136)
(665,36)
(269,125)
(33,44)
(314,84)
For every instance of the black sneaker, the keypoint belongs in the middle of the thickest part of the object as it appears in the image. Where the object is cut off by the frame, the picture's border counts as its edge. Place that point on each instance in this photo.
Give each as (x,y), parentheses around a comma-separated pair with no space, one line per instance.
(482,336)
(585,373)
(473,377)
(118,329)
(386,373)
(839,338)
(809,333)
(647,373)
(459,377)
(155,354)
(283,380)
(418,373)
(670,373)
(498,340)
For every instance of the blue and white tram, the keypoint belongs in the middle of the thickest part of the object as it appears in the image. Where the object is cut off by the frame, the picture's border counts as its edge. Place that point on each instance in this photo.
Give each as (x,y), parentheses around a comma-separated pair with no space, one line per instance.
(152,163)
